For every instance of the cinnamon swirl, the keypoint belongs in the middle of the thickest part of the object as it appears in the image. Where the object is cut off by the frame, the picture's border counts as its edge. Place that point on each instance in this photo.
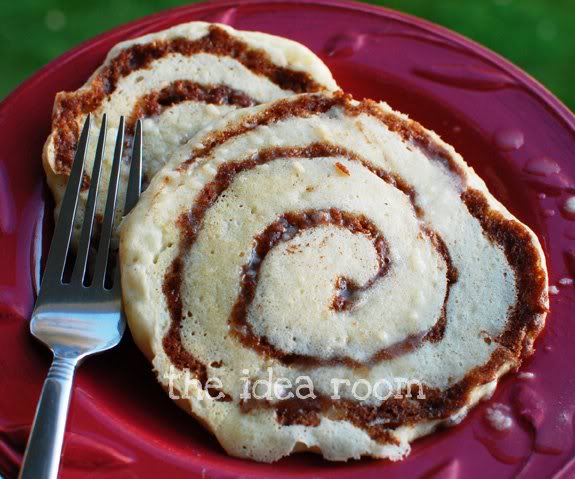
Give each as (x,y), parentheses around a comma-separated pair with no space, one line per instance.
(178,81)
(317,241)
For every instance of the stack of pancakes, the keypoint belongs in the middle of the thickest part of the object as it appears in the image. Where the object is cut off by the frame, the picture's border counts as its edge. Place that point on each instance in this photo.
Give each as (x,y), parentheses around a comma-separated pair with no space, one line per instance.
(291,235)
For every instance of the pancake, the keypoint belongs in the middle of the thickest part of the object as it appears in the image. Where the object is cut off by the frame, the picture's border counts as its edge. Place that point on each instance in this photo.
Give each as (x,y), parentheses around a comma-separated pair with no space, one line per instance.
(321,237)
(178,81)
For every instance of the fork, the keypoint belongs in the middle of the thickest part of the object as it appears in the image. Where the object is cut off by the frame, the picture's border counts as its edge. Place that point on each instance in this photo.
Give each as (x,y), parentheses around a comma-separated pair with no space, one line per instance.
(77,318)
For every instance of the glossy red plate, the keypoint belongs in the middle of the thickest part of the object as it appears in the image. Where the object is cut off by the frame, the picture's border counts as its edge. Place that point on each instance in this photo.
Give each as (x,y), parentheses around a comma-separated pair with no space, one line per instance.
(518,137)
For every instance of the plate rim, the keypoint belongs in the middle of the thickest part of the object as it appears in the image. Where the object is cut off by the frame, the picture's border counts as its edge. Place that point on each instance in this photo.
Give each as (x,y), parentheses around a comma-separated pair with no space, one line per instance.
(520,75)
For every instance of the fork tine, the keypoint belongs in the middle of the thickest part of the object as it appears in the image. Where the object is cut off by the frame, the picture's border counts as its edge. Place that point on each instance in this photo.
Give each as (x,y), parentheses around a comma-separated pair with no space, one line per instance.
(134,187)
(64,226)
(84,246)
(108,223)
(135,178)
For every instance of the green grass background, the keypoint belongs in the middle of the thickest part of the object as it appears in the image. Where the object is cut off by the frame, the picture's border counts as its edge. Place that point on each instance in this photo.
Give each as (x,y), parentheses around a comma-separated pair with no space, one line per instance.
(537,35)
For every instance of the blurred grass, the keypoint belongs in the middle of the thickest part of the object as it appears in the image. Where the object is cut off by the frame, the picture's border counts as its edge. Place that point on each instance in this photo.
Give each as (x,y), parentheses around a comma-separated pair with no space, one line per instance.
(537,35)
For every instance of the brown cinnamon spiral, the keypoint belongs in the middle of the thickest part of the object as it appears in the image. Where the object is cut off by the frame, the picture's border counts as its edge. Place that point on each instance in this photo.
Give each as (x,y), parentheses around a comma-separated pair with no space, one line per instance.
(322,237)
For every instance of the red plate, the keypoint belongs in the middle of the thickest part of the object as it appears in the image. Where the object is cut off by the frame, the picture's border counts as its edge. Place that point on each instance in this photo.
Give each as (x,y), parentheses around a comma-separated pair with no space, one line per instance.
(518,137)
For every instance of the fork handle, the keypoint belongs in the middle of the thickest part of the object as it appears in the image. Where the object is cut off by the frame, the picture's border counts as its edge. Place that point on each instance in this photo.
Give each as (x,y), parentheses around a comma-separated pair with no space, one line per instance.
(42,456)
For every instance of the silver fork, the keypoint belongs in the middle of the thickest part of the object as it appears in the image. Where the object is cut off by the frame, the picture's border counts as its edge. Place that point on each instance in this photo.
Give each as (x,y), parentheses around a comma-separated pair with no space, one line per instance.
(73,319)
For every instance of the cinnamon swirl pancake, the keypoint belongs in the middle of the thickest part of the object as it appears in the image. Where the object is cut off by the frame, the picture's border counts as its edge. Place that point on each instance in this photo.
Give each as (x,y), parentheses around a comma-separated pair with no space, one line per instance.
(327,247)
(178,81)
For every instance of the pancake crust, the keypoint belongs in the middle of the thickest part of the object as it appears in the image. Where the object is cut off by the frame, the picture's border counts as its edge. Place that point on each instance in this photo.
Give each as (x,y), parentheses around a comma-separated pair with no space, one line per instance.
(178,81)
(324,237)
